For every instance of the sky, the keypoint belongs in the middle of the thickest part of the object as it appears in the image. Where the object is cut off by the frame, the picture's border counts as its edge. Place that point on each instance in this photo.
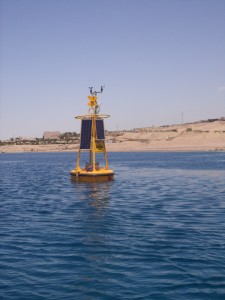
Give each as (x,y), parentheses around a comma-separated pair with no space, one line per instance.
(161,62)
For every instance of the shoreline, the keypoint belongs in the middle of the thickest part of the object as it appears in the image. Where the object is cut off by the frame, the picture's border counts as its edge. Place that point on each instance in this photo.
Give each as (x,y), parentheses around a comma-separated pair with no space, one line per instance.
(110,148)
(192,137)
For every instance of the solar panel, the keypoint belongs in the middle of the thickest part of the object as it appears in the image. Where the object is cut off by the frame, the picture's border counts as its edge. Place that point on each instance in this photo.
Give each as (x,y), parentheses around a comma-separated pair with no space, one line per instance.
(85,141)
(100,130)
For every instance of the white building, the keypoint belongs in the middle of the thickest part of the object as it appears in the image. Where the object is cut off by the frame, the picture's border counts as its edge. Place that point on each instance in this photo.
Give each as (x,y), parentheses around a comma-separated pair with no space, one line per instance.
(51,135)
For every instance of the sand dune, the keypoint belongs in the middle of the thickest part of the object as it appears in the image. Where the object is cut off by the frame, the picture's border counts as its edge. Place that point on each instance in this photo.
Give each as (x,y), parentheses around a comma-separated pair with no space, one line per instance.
(200,136)
(187,137)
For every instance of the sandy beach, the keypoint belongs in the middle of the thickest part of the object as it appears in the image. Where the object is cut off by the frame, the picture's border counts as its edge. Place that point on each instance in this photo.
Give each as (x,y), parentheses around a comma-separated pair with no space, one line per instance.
(201,136)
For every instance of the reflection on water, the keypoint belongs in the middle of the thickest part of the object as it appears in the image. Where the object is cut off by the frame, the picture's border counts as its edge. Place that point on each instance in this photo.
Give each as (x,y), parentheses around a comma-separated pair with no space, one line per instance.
(97,194)
(100,195)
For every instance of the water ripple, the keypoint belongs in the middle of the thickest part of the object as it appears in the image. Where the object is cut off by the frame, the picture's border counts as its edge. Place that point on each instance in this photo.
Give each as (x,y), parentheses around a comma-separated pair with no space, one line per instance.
(156,232)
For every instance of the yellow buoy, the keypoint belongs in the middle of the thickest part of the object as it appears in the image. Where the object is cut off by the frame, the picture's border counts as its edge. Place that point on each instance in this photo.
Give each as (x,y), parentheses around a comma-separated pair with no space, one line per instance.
(92,140)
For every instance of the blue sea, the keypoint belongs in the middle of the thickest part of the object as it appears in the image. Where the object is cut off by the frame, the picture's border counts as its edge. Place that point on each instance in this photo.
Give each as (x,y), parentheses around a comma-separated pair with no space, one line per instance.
(156,232)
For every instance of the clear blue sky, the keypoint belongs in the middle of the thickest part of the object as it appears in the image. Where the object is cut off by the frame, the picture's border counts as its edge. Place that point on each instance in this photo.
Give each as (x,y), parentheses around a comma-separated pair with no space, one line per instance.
(157,60)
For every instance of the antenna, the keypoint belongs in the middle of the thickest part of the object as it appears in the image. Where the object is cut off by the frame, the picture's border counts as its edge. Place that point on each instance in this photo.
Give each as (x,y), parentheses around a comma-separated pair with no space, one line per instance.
(95,92)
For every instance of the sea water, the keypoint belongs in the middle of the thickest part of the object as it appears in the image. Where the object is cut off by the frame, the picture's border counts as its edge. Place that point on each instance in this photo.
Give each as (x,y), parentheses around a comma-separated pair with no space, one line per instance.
(156,232)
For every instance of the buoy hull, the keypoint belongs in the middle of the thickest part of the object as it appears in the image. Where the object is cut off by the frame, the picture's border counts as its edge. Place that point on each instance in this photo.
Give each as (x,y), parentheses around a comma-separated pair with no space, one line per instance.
(95,176)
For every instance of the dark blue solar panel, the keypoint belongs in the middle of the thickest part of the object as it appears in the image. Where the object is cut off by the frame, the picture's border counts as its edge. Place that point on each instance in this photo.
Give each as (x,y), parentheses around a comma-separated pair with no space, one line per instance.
(85,140)
(100,130)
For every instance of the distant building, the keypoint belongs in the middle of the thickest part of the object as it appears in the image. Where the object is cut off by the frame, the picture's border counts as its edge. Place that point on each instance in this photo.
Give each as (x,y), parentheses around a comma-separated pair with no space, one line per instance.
(51,135)
(213,120)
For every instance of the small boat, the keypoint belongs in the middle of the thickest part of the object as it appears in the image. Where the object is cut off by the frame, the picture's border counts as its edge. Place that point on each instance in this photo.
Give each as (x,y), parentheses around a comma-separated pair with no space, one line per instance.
(92,140)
